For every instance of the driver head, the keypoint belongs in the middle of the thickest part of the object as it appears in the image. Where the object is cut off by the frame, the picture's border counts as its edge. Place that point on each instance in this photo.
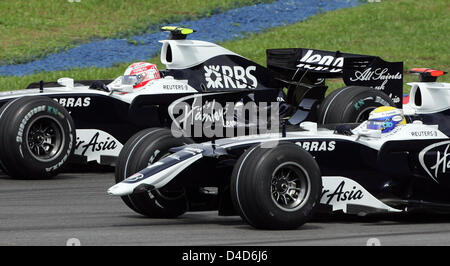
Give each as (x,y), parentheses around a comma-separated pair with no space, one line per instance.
(385,118)
(141,73)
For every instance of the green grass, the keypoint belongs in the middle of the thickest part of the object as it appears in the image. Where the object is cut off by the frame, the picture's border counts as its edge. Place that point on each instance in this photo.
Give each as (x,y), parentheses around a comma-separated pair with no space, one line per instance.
(415,32)
(34,28)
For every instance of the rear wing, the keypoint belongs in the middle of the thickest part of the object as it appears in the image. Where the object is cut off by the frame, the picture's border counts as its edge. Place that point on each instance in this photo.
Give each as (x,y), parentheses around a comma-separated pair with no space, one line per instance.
(355,69)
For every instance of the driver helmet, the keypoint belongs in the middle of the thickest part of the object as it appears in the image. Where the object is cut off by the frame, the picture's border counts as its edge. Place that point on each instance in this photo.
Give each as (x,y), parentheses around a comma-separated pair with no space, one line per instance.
(141,73)
(385,118)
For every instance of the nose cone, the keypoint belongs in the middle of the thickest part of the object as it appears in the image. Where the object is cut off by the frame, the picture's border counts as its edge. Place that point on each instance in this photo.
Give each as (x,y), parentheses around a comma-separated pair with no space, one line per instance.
(120,189)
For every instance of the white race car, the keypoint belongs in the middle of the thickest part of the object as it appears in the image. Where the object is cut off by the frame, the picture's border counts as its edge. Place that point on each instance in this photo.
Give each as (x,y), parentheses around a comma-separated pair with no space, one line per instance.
(392,162)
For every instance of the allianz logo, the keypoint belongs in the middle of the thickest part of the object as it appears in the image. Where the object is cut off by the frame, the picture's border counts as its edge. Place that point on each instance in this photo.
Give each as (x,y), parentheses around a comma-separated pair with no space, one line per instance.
(327,61)
(218,76)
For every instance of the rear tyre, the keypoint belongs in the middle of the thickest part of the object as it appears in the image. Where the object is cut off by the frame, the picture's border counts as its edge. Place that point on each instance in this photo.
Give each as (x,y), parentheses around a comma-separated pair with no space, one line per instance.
(141,150)
(276,188)
(37,137)
(351,104)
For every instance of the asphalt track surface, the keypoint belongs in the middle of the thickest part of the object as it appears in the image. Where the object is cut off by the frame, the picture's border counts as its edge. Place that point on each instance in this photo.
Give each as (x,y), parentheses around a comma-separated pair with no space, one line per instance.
(75,205)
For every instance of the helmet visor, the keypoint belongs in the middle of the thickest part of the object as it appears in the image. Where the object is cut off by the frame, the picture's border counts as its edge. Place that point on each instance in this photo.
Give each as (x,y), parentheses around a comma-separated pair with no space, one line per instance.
(130,80)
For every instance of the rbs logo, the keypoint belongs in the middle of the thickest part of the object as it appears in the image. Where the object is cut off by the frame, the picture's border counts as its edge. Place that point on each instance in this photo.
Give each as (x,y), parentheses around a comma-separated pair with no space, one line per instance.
(230,77)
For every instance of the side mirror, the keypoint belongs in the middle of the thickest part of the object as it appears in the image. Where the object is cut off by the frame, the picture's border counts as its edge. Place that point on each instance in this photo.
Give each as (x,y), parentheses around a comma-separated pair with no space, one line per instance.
(98,85)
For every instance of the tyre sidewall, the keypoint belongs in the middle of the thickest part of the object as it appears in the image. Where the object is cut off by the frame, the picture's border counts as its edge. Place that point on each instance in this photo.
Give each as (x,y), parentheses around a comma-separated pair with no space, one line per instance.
(266,167)
(15,124)
(251,187)
(362,104)
(346,105)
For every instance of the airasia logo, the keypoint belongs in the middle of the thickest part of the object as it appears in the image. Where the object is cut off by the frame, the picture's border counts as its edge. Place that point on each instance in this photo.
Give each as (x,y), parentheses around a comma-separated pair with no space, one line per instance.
(237,77)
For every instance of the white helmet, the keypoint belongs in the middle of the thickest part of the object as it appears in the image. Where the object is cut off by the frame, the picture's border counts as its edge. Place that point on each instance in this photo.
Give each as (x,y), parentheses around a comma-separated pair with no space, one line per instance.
(141,73)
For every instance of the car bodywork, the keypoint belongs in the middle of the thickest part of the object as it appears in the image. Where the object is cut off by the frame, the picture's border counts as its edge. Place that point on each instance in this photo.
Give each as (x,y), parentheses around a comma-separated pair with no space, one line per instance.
(363,172)
(201,70)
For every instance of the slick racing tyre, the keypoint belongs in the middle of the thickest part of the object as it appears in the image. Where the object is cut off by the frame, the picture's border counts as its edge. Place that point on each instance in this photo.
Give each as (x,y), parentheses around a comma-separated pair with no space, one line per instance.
(37,137)
(141,150)
(276,188)
(351,105)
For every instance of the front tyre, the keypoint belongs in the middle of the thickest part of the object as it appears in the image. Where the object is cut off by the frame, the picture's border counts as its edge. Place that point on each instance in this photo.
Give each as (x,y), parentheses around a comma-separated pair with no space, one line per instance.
(276,188)
(37,137)
(141,150)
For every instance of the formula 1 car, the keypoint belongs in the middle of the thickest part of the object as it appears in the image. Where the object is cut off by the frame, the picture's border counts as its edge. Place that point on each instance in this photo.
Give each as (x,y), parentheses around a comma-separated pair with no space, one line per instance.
(277,181)
(47,125)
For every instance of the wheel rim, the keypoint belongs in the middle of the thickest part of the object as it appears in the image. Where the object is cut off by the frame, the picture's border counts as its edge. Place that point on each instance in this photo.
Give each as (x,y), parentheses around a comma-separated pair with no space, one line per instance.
(44,138)
(364,115)
(290,186)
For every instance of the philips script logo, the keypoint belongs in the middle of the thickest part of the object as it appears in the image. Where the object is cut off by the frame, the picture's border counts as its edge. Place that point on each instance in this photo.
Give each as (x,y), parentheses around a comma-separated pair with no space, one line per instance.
(230,77)
(438,165)
(327,62)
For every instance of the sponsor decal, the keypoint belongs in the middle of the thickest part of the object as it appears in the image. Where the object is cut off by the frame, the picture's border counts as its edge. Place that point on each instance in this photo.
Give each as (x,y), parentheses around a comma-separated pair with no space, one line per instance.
(218,76)
(135,177)
(74,101)
(317,145)
(342,193)
(397,118)
(176,87)
(424,133)
(394,98)
(434,159)
(25,121)
(339,191)
(359,103)
(94,143)
(330,63)
(381,101)
(380,75)
(377,74)
(210,118)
